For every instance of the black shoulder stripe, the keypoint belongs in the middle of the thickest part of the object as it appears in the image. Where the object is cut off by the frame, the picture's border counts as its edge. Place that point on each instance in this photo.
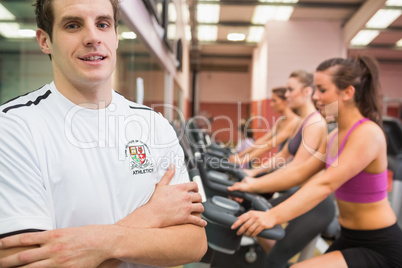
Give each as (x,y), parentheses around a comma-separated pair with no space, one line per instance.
(29,103)
(20,232)
(22,95)
(143,108)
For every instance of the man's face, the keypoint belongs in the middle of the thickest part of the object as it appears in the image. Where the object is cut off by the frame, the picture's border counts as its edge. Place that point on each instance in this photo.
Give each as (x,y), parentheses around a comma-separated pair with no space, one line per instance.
(84,42)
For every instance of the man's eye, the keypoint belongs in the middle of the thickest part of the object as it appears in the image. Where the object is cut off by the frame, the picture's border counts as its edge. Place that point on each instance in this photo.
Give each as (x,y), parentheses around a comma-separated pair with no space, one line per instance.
(103,25)
(72,26)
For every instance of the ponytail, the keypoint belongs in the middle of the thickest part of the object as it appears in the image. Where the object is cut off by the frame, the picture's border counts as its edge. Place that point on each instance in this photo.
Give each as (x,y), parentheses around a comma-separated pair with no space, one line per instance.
(363,74)
(367,97)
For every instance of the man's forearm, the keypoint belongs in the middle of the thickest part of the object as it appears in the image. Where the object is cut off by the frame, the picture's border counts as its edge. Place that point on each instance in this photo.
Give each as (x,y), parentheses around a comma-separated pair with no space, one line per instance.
(92,245)
(170,246)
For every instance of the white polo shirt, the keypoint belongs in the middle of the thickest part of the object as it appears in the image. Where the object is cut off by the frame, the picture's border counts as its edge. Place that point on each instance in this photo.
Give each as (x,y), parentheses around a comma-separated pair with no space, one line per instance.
(62,165)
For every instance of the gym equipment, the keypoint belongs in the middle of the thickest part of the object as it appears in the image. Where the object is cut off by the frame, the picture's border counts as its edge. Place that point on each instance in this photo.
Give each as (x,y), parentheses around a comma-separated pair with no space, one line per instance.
(199,139)
(393,131)
(221,212)
(215,154)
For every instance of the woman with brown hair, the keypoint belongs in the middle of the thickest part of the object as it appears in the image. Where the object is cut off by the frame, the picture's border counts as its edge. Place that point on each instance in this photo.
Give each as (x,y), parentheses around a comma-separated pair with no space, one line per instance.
(355,169)
(310,136)
(281,131)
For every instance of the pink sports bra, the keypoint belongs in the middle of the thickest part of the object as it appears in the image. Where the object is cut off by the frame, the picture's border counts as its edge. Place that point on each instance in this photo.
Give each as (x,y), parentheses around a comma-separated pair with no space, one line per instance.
(364,187)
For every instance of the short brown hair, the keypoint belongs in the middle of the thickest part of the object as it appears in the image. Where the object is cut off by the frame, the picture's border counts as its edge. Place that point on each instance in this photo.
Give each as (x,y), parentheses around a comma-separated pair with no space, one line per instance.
(45,17)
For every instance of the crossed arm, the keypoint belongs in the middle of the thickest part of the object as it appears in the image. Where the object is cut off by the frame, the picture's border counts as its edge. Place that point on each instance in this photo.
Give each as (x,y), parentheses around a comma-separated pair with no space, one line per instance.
(167,231)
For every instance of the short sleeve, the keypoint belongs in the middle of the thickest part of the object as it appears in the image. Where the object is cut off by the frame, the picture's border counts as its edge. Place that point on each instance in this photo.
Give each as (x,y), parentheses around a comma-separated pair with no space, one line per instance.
(23,196)
(173,153)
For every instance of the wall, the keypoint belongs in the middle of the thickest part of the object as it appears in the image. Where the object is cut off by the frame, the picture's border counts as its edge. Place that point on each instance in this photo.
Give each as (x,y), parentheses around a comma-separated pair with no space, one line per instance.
(303,45)
(291,45)
(22,73)
(285,47)
(391,79)
(224,96)
(227,87)
(149,31)
(288,46)
(391,85)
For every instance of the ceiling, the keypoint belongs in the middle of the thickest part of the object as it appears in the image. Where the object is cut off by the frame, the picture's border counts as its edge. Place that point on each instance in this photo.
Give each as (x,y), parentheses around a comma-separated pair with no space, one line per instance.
(236,16)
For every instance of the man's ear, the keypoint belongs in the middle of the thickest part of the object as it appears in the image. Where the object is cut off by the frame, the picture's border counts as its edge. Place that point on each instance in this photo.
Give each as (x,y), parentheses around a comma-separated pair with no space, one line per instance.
(348,93)
(44,41)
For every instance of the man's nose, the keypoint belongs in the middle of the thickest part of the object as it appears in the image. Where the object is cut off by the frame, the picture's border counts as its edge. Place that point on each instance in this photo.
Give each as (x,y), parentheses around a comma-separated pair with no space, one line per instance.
(92,37)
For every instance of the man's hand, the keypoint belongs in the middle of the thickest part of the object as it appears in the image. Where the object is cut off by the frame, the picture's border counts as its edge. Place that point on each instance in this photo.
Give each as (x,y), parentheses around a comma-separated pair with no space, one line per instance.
(68,247)
(89,246)
(169,205)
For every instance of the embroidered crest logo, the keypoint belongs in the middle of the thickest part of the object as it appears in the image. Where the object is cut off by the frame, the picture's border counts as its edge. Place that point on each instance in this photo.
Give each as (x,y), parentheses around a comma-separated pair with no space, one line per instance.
(140,157)
(138,153)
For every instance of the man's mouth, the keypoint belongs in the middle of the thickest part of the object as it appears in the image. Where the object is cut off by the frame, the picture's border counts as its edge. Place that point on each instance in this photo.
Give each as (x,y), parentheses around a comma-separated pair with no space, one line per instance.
(93,58)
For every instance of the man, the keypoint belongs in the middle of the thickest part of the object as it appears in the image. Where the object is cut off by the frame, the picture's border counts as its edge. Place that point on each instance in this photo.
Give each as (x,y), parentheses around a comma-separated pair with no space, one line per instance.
(88,178)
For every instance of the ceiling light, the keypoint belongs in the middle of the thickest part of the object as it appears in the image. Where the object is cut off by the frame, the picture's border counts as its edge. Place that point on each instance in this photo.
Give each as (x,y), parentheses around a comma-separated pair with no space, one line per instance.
(172,13)
(399,43)
(207,33)
(383,18)
(364,37)
(283,13)
(255,34)
(171,32)
(186,14)
(187,31)
(236,37)
(208,13)
(279,1)
(394,3)
(5,14)
(26,33)
(128,35)
(9,30)
(12,30)
(264,13)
